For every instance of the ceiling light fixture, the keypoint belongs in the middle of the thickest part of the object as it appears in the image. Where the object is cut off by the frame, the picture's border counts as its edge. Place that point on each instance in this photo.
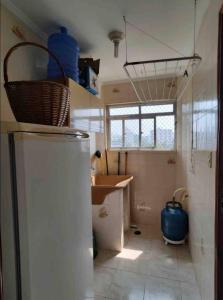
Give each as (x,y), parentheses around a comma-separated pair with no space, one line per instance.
(116,37)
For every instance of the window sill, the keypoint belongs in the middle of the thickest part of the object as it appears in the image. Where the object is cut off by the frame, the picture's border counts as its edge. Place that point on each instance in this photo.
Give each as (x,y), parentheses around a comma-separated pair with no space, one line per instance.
(141,150)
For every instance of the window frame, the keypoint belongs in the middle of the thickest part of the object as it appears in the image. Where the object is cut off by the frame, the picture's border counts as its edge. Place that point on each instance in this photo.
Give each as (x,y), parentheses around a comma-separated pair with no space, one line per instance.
(140,116)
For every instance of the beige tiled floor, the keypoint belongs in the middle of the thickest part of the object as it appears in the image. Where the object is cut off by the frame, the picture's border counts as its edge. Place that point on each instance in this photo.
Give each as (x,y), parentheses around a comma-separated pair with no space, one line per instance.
(147,269)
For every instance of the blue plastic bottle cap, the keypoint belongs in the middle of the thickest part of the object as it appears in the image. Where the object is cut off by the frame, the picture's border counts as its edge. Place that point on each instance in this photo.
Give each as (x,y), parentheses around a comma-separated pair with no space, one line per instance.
(63,29)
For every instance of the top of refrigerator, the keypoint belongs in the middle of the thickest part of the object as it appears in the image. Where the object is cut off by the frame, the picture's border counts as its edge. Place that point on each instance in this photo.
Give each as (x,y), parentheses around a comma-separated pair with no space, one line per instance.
(6,127)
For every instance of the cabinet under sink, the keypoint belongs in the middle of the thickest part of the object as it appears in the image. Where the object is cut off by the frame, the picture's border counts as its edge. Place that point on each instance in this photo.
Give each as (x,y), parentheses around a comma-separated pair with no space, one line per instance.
(111,209)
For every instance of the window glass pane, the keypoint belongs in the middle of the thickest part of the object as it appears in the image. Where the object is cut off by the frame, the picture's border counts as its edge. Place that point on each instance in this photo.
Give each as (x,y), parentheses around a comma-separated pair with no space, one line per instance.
(162,108)
(165,132)
(131,133)
(126,110)
(147,133)
(116,133)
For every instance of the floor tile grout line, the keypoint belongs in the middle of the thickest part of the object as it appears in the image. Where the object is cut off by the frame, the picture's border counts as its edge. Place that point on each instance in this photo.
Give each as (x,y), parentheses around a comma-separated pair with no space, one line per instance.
(149,275)
(113,275)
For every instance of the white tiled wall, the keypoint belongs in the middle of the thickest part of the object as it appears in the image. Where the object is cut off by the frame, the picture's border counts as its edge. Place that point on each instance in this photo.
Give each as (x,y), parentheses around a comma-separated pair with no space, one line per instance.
(153,184)
(196,168)
(22,65)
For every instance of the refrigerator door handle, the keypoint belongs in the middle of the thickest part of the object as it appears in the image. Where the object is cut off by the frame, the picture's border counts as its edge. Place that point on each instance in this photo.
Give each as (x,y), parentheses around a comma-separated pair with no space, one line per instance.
(78,134)
(71,134)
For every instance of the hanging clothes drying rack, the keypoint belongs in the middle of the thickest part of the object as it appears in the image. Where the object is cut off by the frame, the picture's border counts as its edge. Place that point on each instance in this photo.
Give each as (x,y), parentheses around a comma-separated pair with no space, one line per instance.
(161,79)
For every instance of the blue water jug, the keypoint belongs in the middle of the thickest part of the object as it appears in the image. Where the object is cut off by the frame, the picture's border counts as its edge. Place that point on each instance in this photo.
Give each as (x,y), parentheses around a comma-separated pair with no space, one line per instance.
(67,50)
(174,222)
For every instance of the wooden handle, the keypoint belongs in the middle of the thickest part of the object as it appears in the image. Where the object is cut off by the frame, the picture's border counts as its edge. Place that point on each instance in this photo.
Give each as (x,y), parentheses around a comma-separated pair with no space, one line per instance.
(126,162)
(119,159)
(106,161)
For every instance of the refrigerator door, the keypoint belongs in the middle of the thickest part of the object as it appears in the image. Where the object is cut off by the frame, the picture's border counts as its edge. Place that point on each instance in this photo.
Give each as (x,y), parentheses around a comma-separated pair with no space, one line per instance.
(6,223)
(54,226)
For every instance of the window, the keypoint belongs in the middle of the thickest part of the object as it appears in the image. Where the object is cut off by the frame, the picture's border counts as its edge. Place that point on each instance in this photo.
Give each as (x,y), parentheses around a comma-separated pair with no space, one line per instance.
(142,126)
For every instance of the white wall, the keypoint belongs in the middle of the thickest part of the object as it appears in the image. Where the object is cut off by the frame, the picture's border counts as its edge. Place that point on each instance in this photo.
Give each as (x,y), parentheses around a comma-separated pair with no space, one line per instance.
(196,169)
(154,182)
(23,65)
(122,91)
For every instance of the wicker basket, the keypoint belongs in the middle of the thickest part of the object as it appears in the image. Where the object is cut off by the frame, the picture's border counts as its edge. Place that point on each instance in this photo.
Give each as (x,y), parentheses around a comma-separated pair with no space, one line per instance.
(37,101)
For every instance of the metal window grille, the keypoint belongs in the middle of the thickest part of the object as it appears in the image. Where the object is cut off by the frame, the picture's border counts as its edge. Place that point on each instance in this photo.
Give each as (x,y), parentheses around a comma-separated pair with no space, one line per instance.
(142,126)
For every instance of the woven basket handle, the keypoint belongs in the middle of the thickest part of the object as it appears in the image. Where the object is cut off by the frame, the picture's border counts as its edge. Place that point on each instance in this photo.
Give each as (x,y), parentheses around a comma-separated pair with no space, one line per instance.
(30,44)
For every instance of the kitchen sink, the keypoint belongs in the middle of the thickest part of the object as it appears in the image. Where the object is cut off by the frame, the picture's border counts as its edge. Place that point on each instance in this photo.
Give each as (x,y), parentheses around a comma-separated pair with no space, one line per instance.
(102,185)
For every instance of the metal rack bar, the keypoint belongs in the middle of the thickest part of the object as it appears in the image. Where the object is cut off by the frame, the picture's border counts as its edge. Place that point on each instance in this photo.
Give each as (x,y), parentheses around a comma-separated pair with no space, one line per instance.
(139,83)
(162,60)
(171,71)
(133,86)
(179,88)
(148,86)
(164,82)
(156,80)
(174,77)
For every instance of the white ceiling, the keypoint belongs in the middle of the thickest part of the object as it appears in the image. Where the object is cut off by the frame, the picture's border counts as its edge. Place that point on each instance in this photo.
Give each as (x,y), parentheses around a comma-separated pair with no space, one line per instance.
(90,21)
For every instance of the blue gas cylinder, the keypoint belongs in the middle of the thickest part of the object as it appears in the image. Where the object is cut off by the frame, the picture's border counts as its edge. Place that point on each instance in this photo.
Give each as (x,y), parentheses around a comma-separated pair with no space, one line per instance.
(67,50)
(174,221)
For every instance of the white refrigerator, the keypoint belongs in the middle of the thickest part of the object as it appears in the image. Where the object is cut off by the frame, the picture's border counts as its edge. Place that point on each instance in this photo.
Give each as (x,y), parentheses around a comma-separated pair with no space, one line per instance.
(46,218)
